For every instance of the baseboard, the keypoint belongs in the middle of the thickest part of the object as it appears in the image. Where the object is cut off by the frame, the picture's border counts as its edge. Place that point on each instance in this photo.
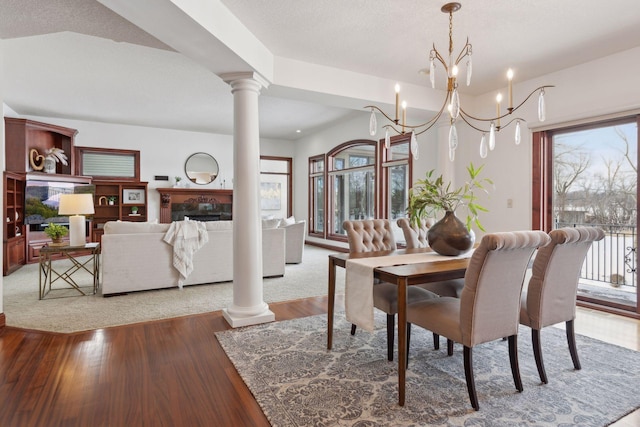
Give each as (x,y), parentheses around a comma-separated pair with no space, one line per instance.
(326,246)
(606,309)
(3,320)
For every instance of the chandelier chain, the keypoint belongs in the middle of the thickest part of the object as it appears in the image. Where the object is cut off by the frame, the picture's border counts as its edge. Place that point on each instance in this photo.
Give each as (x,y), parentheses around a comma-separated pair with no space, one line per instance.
(450,33)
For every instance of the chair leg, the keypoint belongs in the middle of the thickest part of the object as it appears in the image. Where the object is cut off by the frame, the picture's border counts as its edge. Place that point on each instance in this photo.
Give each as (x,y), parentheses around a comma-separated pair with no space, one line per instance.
(537,354)
(391,324)
(353,329)
(408,343)
(513,358)
(449,347)
(571,339)
(468,374)
(436,341)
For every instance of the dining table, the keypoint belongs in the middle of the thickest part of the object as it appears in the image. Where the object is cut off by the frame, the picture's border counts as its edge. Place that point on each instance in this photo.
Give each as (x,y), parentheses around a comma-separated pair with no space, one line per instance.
(402,275)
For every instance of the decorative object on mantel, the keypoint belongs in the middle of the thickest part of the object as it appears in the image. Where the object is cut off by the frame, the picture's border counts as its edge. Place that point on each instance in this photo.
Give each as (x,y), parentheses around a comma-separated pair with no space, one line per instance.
(36,160)
(452,102)
(53,156)
(177,184)
(449,236)
(56,232)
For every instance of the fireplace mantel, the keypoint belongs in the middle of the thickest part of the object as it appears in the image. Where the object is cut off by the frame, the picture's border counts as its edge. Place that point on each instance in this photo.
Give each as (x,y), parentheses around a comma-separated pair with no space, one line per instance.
(206,204)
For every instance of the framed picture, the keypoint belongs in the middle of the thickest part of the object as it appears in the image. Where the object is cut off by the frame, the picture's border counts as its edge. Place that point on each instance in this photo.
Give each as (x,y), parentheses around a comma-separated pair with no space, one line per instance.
(133,197)
(270,196)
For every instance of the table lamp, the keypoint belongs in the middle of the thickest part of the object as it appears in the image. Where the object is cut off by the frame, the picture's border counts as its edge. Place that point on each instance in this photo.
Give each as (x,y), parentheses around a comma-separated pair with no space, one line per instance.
(76,205)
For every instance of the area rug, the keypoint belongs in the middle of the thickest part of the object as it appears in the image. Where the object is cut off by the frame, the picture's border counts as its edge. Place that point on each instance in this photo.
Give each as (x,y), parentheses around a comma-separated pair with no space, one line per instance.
(298,382)
(66,310)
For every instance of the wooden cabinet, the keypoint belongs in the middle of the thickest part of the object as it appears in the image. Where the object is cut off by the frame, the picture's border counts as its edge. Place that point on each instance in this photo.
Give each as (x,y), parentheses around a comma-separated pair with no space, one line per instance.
(23,136)
(118,200)
(13,223)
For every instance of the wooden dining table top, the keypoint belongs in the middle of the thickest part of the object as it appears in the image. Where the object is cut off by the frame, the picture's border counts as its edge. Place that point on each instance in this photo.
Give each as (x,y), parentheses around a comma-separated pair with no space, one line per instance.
(403,276)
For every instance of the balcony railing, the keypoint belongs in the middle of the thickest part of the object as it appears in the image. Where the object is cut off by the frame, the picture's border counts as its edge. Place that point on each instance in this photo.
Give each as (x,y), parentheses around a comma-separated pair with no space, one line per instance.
(612,260)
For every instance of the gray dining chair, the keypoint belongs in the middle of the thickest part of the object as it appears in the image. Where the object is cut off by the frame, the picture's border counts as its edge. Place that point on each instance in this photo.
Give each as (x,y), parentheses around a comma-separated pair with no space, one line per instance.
(372,235)
(489,305)
(550,296)
(416,237)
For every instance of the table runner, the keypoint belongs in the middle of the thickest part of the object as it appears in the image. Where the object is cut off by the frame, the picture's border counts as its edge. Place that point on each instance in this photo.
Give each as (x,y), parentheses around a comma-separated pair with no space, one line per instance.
(359,282)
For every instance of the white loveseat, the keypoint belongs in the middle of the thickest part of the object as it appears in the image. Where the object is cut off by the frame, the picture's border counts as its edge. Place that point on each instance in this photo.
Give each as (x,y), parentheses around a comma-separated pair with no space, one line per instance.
(135,257)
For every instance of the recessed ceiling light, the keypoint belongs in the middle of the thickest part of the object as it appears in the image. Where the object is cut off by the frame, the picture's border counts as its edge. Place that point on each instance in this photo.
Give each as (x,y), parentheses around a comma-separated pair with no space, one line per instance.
(298,131)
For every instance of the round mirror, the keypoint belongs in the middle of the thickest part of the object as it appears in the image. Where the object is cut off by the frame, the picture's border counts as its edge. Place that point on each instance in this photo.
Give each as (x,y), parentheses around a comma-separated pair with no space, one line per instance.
(201,168)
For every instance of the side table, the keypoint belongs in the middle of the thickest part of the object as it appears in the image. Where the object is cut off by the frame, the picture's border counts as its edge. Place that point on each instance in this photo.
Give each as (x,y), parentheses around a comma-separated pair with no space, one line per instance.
(49,275)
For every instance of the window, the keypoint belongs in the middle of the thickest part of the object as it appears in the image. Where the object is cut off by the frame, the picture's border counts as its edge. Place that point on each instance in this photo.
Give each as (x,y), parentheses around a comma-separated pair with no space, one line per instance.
(276,186)
(352,180)
(316,195)
(108,164)
(365,181)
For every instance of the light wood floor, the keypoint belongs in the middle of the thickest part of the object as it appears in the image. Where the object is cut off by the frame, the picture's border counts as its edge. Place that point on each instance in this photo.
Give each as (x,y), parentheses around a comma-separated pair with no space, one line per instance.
(165,373)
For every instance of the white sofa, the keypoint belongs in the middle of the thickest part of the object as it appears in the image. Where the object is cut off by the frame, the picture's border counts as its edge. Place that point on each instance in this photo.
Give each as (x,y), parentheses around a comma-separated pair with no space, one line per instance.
(135,257)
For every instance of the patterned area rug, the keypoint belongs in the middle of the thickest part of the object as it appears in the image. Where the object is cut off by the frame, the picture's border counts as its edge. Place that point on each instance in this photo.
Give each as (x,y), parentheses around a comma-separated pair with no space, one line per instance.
(297,382)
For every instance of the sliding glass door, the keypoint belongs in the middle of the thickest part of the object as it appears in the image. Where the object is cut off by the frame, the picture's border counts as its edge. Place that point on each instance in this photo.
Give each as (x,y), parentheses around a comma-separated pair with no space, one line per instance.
(587,176)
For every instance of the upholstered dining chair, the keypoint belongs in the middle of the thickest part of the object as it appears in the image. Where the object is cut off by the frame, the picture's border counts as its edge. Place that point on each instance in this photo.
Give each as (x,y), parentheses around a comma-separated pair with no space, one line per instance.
(371,235)
(416,237)
(489,305)
(550,297)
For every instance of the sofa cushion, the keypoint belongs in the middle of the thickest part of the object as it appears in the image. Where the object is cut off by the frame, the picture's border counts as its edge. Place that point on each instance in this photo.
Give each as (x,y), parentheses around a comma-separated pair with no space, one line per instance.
(126,227)
(288,221)
(219,225)
(270,223)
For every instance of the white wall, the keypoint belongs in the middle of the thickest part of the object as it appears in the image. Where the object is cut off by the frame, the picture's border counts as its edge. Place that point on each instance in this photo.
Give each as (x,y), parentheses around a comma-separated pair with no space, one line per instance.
(165,151)
(588,92)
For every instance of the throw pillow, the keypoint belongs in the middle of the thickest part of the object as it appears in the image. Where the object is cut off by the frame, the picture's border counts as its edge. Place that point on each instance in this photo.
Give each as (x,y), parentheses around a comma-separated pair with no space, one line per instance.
(288,221)
(270,223)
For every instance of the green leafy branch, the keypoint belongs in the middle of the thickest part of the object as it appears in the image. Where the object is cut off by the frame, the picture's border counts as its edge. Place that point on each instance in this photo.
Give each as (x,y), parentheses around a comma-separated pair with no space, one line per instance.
(430,196)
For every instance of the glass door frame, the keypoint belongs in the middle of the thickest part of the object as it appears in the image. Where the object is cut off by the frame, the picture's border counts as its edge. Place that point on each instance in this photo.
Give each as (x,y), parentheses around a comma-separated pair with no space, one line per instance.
(542,204)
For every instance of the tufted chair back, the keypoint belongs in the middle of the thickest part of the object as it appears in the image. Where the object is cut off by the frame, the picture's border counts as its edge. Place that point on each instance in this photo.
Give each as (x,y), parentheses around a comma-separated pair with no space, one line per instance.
(414,236)
(490,300)
(369,235)
(551,294)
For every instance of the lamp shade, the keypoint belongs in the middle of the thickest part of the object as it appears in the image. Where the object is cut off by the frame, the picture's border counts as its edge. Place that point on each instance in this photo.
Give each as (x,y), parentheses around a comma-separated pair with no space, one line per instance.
(76,204)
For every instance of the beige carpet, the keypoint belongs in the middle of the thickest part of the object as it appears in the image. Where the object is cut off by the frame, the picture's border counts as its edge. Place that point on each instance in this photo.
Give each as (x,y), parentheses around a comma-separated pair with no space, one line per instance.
(65,310)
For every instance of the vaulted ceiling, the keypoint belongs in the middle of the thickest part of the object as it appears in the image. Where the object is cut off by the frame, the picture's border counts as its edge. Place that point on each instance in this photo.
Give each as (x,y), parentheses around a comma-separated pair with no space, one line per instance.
(151,65)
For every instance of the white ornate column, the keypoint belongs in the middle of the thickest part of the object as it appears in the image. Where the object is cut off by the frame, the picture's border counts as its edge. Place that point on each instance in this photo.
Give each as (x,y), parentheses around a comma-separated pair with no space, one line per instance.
(248,307)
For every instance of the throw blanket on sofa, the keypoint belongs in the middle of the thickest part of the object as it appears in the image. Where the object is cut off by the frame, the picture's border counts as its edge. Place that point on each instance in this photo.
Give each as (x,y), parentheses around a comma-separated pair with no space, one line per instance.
(186,237)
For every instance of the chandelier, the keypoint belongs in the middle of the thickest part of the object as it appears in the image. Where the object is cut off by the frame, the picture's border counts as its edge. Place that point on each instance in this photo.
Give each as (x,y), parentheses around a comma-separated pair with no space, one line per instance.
(455,112)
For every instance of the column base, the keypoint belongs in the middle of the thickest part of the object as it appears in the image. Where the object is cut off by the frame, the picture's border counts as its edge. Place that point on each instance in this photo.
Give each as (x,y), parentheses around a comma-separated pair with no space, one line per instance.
(236,320)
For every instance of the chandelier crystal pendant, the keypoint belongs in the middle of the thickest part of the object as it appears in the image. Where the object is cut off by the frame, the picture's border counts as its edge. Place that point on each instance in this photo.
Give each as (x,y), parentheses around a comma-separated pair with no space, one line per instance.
(451,65)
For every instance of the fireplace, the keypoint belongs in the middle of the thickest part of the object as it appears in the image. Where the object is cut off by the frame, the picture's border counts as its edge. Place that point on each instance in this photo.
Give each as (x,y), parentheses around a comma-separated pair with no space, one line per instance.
(196,204)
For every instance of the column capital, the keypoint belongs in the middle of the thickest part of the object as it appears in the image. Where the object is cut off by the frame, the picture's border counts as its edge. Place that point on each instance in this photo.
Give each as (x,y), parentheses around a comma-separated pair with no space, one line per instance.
(230,78)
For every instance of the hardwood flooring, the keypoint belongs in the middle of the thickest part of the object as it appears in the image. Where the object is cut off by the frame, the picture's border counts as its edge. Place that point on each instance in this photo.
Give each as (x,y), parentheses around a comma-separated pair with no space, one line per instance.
(165,373)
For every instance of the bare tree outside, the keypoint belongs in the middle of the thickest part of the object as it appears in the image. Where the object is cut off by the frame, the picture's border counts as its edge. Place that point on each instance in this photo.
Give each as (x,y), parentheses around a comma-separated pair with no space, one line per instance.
(595,184)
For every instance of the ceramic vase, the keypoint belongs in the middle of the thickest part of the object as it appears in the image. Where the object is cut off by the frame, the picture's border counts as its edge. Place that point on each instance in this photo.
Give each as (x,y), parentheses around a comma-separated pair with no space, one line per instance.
(450,236)
(49,165)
